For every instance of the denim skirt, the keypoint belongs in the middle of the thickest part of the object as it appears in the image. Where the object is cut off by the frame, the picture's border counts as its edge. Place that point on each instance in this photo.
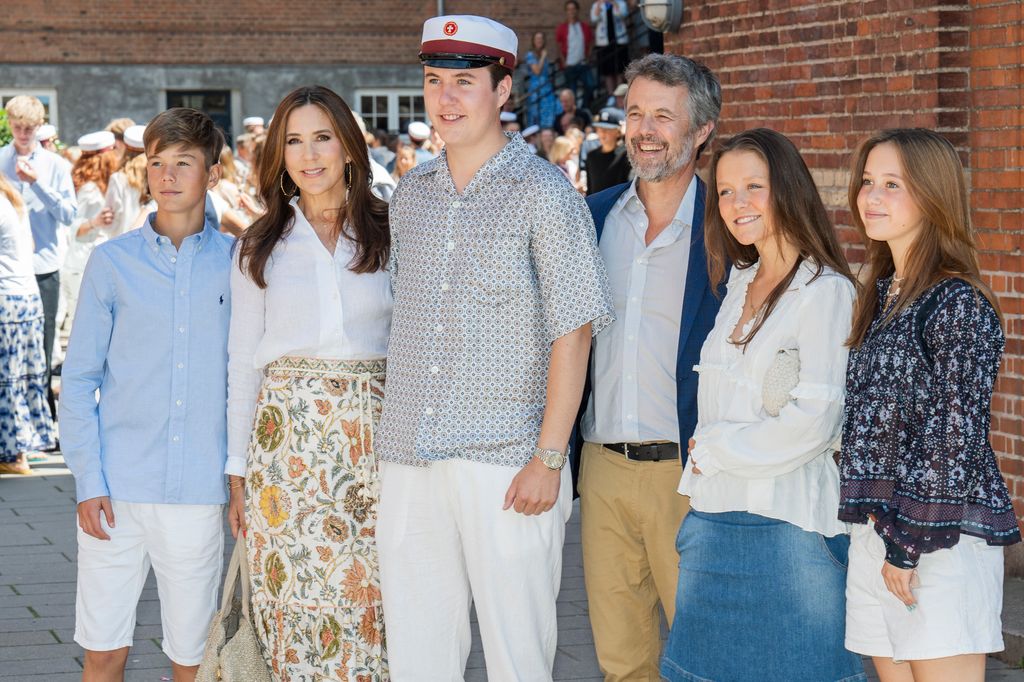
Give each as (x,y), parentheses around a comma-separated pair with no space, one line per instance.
(759,600)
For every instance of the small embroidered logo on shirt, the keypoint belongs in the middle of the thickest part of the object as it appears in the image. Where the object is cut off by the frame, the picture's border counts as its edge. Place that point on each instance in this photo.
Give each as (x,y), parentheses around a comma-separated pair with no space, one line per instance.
(222,299)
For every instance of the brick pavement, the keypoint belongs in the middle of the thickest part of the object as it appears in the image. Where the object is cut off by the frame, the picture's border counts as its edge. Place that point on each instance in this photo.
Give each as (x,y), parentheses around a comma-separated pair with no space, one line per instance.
(37,595)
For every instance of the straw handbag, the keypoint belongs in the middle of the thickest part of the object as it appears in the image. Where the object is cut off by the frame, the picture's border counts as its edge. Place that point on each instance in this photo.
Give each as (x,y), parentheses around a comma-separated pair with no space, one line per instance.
(232,653)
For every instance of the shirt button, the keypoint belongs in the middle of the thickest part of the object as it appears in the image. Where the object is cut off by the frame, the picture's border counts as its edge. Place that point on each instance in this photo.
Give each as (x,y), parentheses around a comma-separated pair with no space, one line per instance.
(178,403)
(439,328)
(181,365)
(435,369)
(456,204)
(174,259)
(450,246)
(182,292)
(175,439)
(634,299)
(444,286)
(629,377)
(181,330)
(630,417)
(429,410)
(630,337)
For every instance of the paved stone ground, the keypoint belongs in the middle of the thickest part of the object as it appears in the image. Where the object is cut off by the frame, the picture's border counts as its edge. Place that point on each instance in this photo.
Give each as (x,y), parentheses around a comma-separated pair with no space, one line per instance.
(37,596)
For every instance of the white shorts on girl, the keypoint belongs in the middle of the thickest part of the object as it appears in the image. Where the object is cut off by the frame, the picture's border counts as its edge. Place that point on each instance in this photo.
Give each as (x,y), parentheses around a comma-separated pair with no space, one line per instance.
(959,601)
(184,543)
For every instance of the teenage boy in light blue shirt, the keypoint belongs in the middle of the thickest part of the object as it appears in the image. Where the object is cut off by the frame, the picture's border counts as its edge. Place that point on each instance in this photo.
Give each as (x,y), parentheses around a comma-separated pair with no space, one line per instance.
(148,455)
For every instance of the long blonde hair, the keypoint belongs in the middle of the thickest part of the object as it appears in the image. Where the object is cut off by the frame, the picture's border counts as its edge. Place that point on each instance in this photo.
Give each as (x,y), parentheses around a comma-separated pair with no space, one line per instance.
(945,246)
(135,173)
(13,196)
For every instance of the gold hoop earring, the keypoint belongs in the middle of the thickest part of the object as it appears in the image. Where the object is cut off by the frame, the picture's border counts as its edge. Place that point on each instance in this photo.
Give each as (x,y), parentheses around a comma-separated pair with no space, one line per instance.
(281,182)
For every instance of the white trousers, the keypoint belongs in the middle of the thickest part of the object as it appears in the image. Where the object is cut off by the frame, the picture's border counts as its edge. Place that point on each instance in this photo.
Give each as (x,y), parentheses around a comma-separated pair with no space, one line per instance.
(444,542)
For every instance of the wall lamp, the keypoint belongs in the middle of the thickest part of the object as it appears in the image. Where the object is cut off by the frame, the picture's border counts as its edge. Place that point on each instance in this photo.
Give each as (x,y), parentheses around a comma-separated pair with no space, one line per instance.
(662,16)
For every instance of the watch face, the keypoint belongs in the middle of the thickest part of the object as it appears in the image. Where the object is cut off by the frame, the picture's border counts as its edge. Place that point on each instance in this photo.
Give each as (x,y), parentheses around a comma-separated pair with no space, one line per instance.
(555,460)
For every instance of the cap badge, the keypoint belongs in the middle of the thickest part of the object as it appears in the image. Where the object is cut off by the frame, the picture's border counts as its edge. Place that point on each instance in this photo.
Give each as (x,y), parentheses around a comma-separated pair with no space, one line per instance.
(451,28)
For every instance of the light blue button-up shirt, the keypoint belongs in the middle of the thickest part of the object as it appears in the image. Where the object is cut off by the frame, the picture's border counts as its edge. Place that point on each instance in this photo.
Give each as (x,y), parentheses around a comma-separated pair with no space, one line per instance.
(50,202)
(150,333)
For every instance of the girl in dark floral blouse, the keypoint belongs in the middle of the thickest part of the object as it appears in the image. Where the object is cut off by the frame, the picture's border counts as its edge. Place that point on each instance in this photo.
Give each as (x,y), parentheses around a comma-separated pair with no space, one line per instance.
(918,476)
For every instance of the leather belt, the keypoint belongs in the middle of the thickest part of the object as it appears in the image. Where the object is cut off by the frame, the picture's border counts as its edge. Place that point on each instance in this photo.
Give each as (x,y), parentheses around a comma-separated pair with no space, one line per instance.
(646,452)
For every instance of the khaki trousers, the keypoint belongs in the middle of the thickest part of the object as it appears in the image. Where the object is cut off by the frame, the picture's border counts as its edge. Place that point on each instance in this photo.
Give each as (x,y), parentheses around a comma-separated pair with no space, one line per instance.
(630,513)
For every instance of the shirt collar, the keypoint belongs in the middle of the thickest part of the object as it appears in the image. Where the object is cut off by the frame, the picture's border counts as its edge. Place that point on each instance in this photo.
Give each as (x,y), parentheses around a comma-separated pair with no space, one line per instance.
(155,240)
(510,162)
(631,203)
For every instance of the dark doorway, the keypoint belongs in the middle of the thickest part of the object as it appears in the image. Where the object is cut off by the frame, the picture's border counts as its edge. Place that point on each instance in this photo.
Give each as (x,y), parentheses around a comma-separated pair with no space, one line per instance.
(215,103)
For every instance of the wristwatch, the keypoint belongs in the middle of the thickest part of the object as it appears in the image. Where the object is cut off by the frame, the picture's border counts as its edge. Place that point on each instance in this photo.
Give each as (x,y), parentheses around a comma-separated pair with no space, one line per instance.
(552,459)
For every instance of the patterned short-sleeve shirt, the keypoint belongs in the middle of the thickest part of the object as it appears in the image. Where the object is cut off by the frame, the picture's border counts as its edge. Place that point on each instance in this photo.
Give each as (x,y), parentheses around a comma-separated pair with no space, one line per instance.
(484,282)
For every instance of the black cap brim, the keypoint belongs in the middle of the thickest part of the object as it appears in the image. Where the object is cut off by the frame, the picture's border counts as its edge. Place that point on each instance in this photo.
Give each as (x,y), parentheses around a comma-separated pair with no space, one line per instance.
(459,61)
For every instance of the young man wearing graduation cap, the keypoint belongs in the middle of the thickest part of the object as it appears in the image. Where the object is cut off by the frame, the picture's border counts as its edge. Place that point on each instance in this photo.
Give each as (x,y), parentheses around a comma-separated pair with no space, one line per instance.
(498,288)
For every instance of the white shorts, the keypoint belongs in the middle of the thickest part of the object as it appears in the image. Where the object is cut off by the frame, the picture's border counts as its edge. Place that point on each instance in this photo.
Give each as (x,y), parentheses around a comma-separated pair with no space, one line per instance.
(185,545)
(959,601)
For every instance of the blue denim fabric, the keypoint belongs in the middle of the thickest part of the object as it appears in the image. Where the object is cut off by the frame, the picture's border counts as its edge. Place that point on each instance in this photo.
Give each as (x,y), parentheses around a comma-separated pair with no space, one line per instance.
(759,600)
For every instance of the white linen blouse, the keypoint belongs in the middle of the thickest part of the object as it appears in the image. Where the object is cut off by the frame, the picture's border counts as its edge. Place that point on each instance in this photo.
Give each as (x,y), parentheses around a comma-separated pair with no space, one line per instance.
(313,306)
(780,467)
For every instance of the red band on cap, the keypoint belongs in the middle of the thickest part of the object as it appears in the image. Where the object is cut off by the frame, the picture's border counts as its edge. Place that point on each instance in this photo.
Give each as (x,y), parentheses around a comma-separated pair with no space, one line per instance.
(462,47)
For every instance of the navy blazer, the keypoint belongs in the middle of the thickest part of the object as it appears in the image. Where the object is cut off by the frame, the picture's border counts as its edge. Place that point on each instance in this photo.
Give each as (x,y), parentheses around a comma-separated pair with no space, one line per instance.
(700,306)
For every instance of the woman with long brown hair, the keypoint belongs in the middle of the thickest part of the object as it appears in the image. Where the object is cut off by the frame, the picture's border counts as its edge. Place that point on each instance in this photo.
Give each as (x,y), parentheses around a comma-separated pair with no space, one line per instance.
(920,481)
(26,424)
(311,314)
(762,557)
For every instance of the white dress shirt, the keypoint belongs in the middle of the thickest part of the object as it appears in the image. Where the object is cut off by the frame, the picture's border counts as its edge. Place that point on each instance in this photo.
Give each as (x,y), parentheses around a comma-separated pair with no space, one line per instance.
(633,367)
(780,467)
(313,306)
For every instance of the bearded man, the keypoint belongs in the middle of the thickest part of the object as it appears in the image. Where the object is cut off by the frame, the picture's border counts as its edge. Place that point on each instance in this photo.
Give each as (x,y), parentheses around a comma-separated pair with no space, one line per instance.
(642,401)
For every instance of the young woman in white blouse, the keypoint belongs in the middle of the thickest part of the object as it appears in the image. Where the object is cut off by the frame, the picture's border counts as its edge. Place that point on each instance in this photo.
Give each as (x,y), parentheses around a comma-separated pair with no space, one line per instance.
(311,313)
(762,556)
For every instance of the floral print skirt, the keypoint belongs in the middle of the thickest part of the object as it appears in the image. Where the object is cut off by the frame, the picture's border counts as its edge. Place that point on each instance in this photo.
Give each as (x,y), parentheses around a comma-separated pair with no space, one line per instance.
(25,420)
(311,495)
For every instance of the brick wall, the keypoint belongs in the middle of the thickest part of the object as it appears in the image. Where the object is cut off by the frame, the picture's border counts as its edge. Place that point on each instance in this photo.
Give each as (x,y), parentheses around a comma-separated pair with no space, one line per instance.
(827,74)
(243,32)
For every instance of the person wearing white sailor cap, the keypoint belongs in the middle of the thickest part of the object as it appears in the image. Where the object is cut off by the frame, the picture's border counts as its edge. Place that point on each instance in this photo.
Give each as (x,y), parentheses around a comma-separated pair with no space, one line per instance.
(47,136)
(498,287)
(127,192)
(419,136)
(91,176)
(509,122)
(253,125)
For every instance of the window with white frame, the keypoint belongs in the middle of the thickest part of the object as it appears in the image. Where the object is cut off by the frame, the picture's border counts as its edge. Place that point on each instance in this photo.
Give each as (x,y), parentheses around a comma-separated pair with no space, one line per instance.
(47,97)
(392,109)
